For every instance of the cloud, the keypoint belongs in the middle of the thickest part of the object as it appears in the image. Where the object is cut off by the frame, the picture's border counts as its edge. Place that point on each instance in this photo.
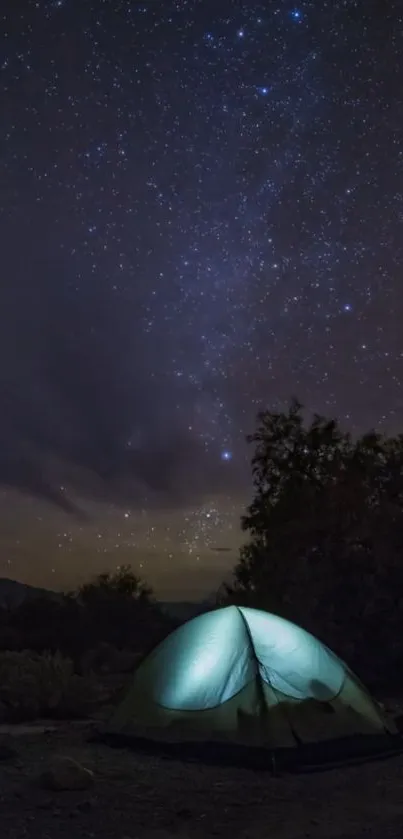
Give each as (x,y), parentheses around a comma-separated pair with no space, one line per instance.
(87,402)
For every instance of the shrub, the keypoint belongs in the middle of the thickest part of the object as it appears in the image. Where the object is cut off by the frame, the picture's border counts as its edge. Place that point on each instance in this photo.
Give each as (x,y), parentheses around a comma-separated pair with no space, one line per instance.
(107,659)
(120,611)
(33,685)
(45,624)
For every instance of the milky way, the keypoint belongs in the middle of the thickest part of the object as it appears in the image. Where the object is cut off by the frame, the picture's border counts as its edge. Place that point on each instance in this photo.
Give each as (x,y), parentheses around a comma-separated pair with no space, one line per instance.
(201,215)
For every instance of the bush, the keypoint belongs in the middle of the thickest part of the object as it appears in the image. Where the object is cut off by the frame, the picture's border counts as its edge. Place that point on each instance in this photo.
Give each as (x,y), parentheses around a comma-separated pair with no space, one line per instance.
(120,611)
(107,659)
(33,685)
(44,623)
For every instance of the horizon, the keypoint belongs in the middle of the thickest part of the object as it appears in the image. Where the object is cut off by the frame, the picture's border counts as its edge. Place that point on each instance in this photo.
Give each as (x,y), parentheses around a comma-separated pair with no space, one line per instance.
(62,591)
(49,548)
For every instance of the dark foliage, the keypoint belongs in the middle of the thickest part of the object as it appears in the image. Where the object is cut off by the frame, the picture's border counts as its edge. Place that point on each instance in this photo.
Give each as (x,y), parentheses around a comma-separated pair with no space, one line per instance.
(114,609)
(325,544)
(120,609)
(34,685)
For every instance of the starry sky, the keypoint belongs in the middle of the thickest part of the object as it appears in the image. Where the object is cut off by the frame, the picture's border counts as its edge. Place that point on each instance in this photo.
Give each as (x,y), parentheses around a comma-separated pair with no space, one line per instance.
(201,215)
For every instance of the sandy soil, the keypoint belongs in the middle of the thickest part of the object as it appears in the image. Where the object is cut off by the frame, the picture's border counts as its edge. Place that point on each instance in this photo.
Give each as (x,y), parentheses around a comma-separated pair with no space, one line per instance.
(142,797)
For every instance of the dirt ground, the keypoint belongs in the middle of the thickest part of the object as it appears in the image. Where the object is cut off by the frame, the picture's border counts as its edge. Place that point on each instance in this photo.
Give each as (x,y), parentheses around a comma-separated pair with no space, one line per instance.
(142,797)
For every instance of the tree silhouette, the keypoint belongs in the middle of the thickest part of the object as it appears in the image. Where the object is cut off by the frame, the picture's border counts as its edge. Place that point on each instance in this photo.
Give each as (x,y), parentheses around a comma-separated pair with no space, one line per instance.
(325,532)
(122,583)
(120,609)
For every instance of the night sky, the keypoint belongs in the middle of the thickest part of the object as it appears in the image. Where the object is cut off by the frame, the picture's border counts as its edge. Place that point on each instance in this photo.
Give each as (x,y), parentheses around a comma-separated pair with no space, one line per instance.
(201,215)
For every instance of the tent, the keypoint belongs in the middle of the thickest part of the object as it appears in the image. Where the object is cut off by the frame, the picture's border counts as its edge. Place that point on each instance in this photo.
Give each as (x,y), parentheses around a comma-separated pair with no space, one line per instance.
(241,679)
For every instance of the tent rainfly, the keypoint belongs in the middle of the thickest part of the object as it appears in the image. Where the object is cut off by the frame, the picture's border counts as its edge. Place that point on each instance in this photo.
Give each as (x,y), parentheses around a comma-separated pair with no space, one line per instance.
(247,680)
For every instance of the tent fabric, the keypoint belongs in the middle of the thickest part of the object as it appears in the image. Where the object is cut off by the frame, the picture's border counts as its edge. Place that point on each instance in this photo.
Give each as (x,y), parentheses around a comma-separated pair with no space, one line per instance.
(243,676)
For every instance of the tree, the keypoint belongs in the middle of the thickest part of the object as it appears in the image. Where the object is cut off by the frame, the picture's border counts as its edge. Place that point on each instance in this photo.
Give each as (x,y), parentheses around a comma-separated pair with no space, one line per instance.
(122,583)
(325,530)
(120,609)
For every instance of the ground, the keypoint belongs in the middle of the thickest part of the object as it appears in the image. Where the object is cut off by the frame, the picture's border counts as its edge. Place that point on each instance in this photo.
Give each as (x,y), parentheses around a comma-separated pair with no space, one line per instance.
(142,797)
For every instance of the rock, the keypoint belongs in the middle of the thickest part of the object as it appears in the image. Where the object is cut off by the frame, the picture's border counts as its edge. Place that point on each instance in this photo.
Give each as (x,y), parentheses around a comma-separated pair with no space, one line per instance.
(64,773)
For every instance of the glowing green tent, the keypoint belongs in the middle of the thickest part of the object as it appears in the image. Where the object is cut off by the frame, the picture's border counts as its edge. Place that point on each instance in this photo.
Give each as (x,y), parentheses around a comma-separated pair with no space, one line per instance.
(248,678)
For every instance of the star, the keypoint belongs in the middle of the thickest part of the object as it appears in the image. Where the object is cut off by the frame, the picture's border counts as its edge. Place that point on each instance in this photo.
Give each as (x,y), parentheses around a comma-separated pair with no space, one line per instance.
(201,211)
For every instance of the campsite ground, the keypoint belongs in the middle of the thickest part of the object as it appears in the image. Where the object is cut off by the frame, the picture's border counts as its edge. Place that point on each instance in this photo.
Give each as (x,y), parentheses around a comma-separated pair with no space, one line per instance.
(143,797)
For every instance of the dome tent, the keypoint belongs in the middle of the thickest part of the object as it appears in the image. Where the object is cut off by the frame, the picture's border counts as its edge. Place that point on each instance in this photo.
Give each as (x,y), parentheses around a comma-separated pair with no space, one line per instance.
(241,680)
